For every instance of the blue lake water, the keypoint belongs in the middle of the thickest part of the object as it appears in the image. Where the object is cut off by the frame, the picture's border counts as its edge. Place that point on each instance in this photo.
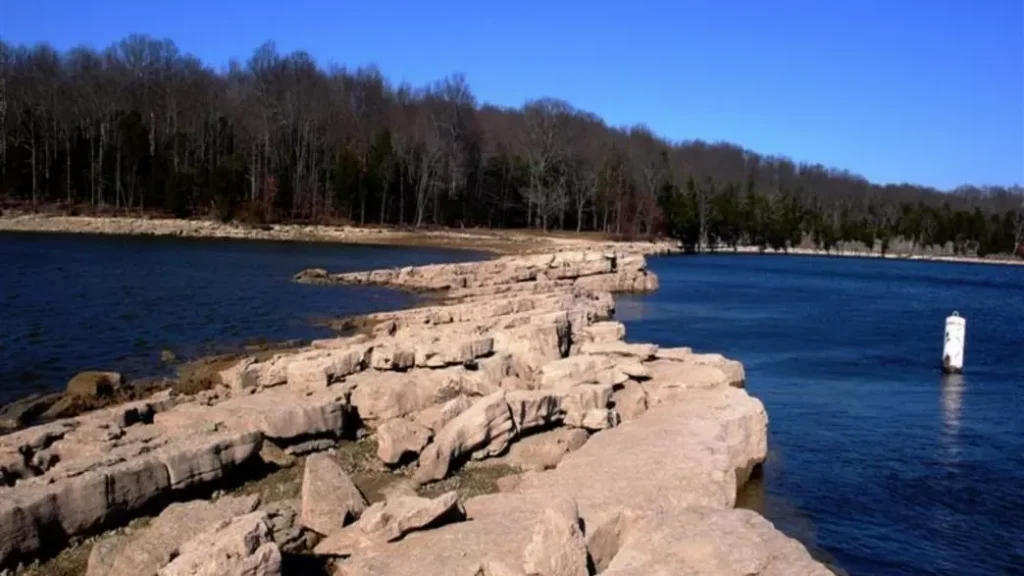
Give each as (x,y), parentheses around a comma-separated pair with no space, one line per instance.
(74,302)
(876,460)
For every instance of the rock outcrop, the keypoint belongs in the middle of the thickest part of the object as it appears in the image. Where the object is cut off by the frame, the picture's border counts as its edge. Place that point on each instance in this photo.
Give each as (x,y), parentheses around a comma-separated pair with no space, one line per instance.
(632,454)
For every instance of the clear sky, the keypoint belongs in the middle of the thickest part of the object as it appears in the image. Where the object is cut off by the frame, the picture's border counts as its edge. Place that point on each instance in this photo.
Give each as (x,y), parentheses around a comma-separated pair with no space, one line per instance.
(924,91)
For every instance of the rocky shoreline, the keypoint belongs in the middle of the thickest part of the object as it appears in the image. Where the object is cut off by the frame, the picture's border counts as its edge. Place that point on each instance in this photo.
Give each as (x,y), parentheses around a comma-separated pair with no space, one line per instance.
(615,458)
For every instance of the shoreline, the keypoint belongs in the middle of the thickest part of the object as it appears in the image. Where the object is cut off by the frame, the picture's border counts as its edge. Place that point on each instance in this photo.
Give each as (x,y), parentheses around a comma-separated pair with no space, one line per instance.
(814,252)
(518,363)
(493,241)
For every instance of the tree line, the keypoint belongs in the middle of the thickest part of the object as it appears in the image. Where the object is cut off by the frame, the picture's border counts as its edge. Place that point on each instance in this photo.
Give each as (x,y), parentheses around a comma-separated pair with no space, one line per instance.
(142,127)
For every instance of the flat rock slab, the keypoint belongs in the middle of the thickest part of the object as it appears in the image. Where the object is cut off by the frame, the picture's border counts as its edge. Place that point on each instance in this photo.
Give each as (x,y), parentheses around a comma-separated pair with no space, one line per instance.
(676,456)
(242,546)
(146,550)
(709,542)
(391,520)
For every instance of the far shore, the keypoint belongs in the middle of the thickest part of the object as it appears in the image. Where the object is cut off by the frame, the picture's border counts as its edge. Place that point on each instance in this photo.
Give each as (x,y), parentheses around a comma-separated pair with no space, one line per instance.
(1000,261)
(495,241)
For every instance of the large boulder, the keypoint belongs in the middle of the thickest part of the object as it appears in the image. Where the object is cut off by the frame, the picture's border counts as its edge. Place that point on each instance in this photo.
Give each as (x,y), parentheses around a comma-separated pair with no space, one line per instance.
(93,384)
(484,430)
(557,547)
(398,439)
(143,552)
(330,499)
(239,547)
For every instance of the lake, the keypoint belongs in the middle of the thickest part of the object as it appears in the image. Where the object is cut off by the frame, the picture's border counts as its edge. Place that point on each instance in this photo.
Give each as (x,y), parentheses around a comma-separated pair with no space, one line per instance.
(75,302)
(877,461)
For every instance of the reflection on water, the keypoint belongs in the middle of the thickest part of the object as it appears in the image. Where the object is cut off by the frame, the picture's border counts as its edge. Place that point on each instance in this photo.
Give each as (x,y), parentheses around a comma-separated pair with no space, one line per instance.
(952,398)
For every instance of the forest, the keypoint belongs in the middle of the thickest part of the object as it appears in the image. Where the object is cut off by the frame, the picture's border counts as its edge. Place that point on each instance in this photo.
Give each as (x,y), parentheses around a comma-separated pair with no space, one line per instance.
(141,127)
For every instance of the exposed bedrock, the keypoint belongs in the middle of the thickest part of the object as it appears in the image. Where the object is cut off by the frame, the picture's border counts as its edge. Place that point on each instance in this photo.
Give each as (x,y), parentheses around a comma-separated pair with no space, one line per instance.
(631,454)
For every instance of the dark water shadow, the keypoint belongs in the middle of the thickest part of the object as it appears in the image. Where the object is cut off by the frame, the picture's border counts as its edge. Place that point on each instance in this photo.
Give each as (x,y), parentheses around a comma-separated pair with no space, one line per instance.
(786,517)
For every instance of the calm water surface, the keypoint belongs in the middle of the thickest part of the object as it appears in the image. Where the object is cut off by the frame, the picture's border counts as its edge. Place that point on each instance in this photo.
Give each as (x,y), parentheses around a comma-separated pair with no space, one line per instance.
(876,460)
(73,302)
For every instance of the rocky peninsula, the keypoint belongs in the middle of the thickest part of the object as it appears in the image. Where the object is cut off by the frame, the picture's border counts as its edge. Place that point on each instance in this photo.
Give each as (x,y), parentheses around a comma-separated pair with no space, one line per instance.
(615,458)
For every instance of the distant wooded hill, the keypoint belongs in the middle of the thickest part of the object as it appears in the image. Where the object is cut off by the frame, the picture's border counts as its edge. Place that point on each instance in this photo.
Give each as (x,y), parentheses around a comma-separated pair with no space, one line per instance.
(142,126)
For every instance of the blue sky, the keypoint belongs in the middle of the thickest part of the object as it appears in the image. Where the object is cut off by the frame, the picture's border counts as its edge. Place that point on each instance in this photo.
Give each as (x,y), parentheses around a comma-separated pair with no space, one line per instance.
(924,91)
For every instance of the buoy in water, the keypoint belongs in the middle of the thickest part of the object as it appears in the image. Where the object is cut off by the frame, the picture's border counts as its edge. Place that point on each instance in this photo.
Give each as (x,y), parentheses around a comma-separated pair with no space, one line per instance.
(953,347)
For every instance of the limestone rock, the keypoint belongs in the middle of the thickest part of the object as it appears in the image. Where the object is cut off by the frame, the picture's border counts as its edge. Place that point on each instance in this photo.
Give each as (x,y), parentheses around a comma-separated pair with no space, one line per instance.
(557,547)
(614,348)
(630,400)
(435,417)
(386,395)
(399,438)
(712,542)
(22,412)
(633,369)
(535,408)
(733,371)
(546,449)
(671,379)
(239,547)
(392,356)
(582,369)
(485,429)
(545,339)
(600,332)
(390,520)
(145,551)
(273,454)
(330,499)
(681,354)
(92,384)
(440,352)
(497,568)
(593,420)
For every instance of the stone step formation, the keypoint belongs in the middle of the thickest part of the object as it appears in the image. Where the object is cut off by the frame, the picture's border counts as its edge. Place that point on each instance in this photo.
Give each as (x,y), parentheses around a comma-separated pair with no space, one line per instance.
(631,454)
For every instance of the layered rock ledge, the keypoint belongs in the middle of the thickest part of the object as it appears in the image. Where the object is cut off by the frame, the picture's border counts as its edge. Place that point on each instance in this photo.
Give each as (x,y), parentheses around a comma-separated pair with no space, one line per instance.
(631,455)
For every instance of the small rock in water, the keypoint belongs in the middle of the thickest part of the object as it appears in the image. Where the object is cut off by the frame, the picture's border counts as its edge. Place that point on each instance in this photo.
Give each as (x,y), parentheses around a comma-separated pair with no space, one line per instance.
(167,355)
(92,384)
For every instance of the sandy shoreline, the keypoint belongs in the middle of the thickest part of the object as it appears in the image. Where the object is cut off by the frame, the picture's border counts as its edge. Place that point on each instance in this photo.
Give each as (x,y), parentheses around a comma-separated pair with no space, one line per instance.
(494,241)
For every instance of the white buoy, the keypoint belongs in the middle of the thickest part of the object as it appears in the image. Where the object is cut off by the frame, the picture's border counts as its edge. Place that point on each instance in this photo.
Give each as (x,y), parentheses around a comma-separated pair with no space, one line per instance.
(953,348)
